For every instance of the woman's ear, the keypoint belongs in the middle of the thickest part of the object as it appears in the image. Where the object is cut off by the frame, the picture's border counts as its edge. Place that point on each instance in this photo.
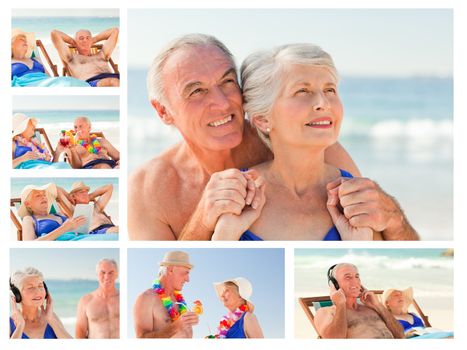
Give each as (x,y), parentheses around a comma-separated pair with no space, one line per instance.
(163,112)
(262,123)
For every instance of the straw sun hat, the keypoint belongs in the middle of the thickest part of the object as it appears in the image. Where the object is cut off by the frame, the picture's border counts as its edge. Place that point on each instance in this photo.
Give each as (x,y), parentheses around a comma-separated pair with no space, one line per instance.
(407,295)
(176,258)
(50,192)
(79,185)
(20,123)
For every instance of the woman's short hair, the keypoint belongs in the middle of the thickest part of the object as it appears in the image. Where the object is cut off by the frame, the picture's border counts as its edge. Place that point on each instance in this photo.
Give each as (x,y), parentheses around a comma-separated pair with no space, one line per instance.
(262,74)
(17,279)
(154,80)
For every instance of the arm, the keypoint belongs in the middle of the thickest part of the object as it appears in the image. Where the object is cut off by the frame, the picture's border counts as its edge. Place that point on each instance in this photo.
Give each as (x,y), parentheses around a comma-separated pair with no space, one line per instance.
(111,150)
(65,199)
(73,157)
(53,320)
(61,42)
(331,322)
(251,326)
(393,325)
(146,220)
(338,156)
(111,37)
(29,233)
(82,327)
(103,195)
(18,320)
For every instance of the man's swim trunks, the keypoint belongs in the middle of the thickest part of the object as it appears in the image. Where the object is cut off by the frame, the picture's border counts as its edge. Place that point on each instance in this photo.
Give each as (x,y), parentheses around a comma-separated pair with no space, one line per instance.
(91,164)
(95,79)
(101,229)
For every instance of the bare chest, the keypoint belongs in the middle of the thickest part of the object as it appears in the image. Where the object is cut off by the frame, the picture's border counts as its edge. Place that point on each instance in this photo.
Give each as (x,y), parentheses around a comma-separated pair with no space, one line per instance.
(366,323)
(35,330)
(100,309)
(290,218)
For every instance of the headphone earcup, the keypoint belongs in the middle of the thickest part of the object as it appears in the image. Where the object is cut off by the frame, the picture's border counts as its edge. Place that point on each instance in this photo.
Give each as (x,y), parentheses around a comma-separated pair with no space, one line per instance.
(46,291)
(16,293)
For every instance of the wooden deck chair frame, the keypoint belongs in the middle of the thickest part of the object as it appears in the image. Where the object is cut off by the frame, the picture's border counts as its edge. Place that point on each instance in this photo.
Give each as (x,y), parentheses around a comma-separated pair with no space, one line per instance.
(52,66)
(96,48)
(307,305)
(17,220)
(44,135)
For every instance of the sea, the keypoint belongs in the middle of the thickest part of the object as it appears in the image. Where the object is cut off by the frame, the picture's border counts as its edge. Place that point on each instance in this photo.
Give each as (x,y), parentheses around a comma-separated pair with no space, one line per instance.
(399,131)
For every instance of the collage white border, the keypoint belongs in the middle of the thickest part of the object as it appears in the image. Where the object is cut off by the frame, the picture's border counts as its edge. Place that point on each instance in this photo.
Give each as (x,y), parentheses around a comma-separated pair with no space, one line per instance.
(460,192)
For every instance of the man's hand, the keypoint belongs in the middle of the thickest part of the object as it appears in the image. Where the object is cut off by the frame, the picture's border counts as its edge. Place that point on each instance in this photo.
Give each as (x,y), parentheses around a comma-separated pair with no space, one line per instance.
(337,296)
(365,204)
(186,321)
(369,299)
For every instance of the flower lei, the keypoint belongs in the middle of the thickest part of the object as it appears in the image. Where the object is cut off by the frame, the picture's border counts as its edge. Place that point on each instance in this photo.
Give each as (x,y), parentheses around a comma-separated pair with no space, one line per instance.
(93,147)
(167,301)
(228,321)
(35,147)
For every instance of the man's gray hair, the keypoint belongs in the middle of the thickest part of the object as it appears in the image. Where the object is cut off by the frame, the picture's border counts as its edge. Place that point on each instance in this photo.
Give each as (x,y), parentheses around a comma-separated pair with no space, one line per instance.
(17,279)
(341,265)
(106,260)
(262,75)
(162,270)
(82,30)
(155,84)
(86,119)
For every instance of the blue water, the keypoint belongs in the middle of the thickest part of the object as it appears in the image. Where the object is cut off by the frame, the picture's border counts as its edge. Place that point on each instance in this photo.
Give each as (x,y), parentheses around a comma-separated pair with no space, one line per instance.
(42,26)
(57,116)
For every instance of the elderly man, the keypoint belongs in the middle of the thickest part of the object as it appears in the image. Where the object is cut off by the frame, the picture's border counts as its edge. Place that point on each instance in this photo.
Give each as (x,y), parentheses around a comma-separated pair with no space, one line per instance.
(98,314)
(160,312)
(89,151)
(181,193)
(348,319)
(79,194)
(93,68)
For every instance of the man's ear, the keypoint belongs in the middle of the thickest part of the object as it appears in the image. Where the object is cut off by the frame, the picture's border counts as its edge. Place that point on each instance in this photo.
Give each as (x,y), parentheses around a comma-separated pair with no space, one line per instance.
(262,123)
(163,112)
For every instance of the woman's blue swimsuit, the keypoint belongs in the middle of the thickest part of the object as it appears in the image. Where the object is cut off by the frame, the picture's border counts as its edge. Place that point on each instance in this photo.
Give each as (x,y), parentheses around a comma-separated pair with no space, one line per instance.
(18,69)
(48,334)
(237,331)
(45,226)
(417,322)
(332,235)
(36,163)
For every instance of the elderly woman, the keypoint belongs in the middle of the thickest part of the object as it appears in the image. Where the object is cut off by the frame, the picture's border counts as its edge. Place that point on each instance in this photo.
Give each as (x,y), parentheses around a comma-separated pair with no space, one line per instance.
(28,152)
(33,320)
(37,220)
(28,71)
(240,322)
(291,98)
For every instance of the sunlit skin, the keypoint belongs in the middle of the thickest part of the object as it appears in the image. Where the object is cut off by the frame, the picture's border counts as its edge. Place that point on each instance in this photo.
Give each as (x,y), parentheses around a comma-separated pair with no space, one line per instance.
(230,298)
(176,277)
(202,90)
(37,202)
(82,128)
(81,196)
(395,302)
(19,47)
(33,292)
(84,42)
(107,274)
(349,281)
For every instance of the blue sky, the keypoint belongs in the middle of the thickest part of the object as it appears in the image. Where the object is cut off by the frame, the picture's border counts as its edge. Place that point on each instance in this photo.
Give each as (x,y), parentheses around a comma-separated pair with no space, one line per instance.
(264,268)
(363,42)
(61,263)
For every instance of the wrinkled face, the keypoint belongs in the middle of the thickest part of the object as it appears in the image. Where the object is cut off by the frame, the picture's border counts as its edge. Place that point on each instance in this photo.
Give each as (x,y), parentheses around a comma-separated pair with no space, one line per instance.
(230,297)
(82,128)
(37,202)
(178,275)
(33,291)
(204,100)
(308,111)
(19,46)
(83,40)
(349,281)
(395,301)
(81,196)
(106,274)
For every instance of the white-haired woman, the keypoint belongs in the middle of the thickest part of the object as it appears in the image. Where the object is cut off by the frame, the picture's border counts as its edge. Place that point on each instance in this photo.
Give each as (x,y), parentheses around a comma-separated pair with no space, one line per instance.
(27,151)
(32,320)
(240,321)
(291,98)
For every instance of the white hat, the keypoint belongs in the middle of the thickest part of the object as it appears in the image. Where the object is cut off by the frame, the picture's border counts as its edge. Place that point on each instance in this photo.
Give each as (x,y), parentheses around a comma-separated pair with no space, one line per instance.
(30,38)
(245,289)
(20,123)
(176,258)
(50,192)
(407,294)
(79,185)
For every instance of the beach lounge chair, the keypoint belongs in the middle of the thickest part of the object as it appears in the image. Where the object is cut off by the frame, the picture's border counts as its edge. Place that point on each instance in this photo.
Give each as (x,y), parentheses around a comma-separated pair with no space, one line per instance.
(311,304)
(14,206)
(43,53)
(94,49)
(42,137)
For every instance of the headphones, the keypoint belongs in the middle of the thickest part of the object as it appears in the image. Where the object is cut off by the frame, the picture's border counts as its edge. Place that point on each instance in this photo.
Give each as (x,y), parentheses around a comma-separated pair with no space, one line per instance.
(16,292)
(331,278)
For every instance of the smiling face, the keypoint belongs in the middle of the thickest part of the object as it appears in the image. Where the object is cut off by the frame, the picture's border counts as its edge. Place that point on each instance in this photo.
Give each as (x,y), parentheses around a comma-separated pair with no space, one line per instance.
(83,39)
(37,202)
(82,127)
(308,110)
(178,276)
(107,274)
(230,297)
(203,98)
(349,280)
(19,46)
(33,291)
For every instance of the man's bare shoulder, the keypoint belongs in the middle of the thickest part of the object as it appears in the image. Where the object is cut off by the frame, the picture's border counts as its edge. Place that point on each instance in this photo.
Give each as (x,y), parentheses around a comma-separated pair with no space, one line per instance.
(154,176)
(86,299)
(147,298)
